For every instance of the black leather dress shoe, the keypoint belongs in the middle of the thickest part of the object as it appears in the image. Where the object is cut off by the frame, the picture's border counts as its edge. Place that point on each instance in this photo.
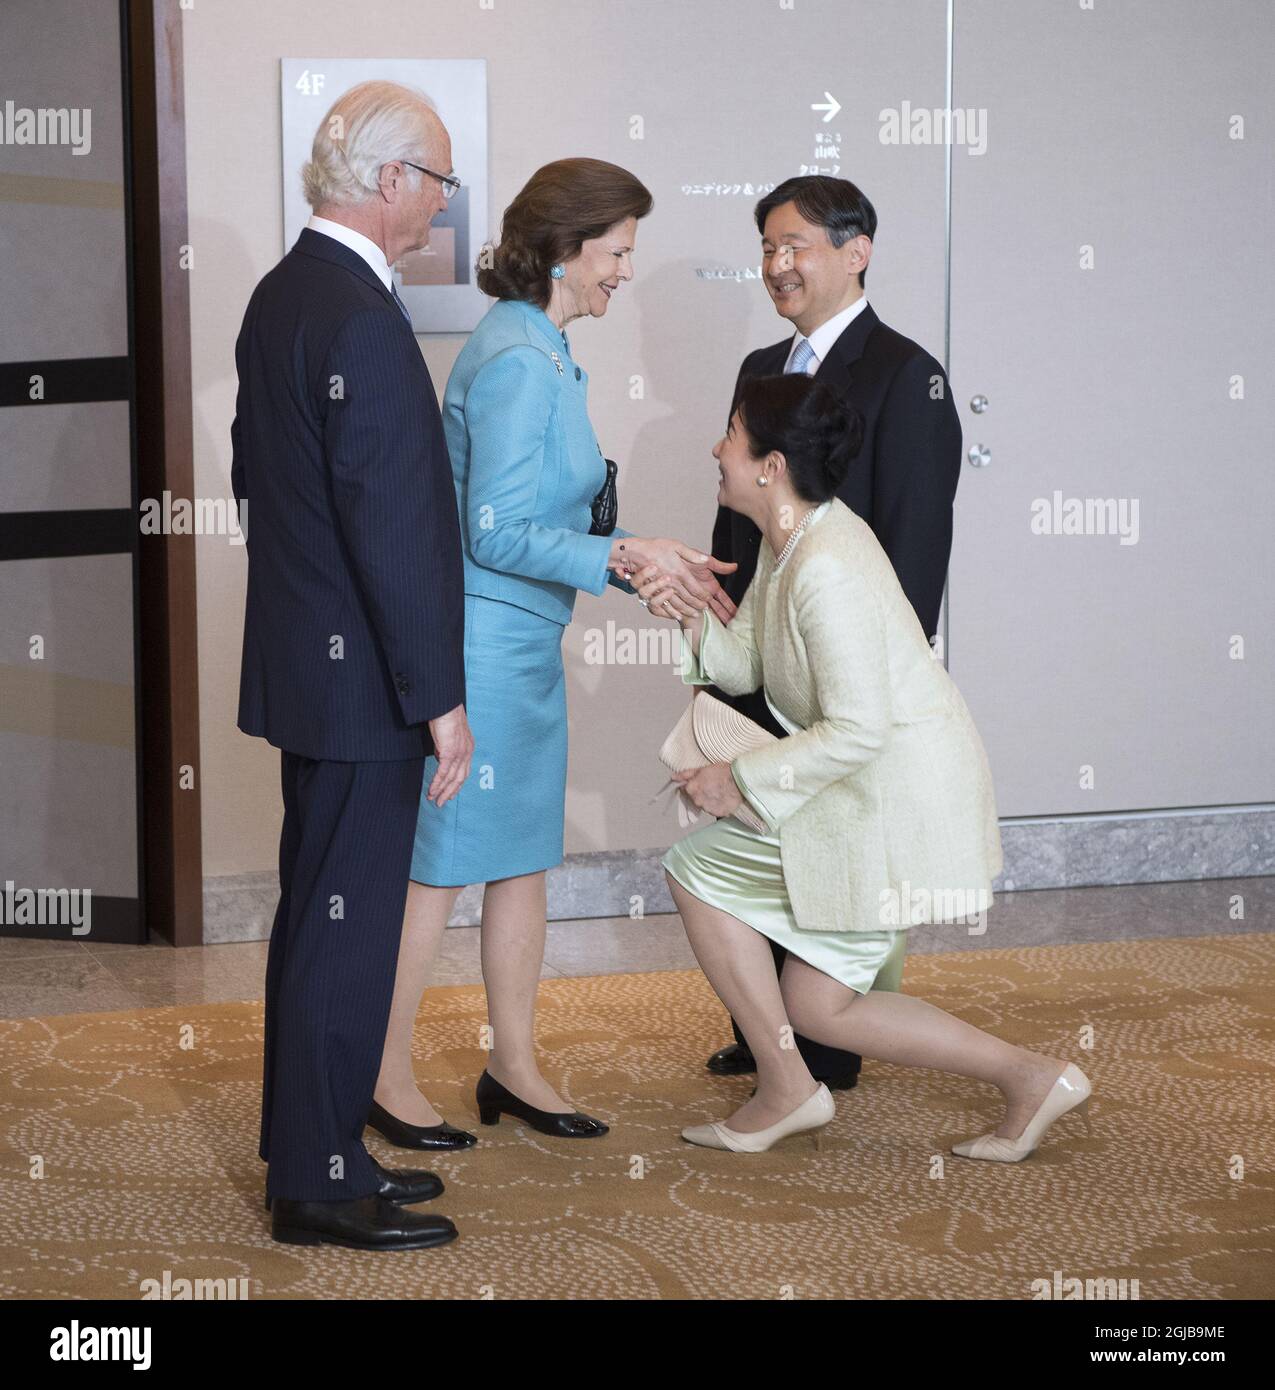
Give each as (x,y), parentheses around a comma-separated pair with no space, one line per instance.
(494,1100)
(366,1223)
(442,1138)
(735,1060)
(403,1186)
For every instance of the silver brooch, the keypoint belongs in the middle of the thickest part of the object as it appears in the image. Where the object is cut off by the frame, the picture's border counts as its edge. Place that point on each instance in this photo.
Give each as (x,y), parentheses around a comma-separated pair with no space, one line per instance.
(557,362)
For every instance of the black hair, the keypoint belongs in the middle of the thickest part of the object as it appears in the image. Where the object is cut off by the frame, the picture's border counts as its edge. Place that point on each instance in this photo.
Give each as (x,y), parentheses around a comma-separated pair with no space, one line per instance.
(816,431)
(836,205)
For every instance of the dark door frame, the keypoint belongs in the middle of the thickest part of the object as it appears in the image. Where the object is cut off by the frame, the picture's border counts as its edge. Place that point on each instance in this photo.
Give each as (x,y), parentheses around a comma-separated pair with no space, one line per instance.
(172,853)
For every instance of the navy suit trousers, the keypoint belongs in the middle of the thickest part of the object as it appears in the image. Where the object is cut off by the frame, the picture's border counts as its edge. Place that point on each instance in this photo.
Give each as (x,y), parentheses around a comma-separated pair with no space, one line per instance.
(344,857)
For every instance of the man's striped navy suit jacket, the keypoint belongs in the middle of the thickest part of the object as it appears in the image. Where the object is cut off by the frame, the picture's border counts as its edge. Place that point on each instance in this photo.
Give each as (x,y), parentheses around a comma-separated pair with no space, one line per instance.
(354,627)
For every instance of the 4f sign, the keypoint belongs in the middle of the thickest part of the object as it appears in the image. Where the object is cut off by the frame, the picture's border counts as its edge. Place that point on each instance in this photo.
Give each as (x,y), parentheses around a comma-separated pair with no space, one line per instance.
(310,84)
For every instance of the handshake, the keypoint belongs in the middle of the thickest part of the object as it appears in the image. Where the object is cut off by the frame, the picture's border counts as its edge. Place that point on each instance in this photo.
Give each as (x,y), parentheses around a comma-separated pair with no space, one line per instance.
(673,580)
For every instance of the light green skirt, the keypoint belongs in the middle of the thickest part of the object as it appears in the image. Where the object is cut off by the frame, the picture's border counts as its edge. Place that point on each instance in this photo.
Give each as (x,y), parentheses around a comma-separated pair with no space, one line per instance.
(738,870)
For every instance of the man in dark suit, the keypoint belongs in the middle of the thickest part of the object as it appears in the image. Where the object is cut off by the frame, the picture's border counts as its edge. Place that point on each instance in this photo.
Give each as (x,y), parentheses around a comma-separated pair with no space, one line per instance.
(352,652)
(816,243)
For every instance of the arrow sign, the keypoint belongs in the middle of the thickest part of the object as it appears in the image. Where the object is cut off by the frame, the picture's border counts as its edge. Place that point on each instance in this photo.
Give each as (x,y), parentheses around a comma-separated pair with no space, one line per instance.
(831,105)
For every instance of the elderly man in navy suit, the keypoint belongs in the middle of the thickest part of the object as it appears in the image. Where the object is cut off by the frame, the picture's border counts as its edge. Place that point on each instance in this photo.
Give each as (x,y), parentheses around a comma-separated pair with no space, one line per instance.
(353,649)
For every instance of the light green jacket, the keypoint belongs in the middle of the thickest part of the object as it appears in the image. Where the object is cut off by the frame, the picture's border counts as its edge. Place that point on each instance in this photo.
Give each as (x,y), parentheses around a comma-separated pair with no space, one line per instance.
(883,802)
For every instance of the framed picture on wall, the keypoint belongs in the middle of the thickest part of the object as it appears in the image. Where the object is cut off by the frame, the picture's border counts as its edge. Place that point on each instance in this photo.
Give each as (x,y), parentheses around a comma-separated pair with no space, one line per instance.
(436,283)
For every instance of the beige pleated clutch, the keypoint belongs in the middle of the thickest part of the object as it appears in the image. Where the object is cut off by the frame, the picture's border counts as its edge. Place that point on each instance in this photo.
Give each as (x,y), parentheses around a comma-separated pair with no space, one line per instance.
(710,731)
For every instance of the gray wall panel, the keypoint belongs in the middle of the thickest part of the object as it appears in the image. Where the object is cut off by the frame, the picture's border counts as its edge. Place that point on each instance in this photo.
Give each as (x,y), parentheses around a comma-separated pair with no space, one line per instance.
(68,816)
(63,457)
(1112,382)
(83,608)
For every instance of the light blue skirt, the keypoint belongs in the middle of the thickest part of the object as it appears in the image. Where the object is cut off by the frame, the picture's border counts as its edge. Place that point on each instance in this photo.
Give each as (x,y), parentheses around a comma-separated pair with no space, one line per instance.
(732,867)
(508,816)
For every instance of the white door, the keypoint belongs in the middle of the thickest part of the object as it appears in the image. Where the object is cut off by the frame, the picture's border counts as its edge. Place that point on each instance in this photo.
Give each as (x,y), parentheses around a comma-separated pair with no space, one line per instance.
(1110,593)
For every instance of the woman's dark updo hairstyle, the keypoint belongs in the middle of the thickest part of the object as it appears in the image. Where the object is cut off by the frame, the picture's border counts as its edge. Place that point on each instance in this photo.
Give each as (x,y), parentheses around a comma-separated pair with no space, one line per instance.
(801,418)
(566,203)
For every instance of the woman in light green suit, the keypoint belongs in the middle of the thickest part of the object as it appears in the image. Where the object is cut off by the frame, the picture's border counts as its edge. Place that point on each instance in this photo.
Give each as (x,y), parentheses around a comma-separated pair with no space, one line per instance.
(878,806)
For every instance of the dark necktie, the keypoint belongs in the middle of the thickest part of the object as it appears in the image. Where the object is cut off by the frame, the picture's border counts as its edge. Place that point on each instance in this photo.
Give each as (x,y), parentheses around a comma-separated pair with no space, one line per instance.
(398,300)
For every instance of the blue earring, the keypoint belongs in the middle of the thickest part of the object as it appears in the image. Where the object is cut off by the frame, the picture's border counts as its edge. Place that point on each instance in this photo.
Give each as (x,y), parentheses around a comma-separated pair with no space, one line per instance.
(558,271)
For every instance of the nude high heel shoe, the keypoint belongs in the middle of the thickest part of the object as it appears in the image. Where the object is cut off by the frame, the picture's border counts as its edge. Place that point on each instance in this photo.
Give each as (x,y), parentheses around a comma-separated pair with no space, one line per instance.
(1070,1092)
(813,1113)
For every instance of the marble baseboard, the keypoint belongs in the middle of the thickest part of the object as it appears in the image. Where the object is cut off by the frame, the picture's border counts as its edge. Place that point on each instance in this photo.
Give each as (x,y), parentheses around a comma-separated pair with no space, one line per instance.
(1065,852)
(1146,847)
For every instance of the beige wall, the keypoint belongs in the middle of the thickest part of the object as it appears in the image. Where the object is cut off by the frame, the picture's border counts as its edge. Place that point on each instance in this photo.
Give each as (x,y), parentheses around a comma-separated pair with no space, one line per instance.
(565,77)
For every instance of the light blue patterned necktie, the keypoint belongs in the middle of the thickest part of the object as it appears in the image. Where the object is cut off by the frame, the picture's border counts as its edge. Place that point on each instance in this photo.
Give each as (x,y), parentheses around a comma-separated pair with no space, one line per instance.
(800,358)
(398,300)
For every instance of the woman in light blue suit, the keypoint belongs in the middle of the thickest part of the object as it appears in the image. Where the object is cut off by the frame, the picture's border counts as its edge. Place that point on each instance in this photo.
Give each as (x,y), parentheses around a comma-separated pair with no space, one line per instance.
(527,469)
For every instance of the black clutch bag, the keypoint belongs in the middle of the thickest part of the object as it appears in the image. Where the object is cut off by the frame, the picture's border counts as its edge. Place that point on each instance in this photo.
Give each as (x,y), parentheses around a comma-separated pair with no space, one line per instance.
(606,506)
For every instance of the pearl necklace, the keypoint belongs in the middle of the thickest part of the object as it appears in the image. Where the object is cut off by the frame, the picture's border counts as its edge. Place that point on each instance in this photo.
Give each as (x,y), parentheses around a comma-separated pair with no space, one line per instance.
(796,535)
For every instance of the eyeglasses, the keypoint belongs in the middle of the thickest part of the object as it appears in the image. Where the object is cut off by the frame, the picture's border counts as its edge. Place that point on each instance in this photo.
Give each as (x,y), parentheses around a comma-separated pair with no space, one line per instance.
(451,184)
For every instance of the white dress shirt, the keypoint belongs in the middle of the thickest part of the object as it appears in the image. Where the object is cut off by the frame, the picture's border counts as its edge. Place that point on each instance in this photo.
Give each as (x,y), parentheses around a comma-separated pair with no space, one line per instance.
(357,243)
(822,339)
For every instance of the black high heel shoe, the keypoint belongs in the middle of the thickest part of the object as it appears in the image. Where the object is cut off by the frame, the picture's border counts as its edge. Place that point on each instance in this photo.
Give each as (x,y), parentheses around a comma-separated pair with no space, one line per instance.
(435,1138)
(494,1100)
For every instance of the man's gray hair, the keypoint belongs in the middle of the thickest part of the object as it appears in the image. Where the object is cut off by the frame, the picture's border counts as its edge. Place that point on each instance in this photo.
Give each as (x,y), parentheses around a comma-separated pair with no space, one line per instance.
(368,126)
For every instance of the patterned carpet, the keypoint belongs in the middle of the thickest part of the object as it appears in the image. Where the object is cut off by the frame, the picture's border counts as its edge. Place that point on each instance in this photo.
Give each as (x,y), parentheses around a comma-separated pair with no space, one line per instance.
(146,1125)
